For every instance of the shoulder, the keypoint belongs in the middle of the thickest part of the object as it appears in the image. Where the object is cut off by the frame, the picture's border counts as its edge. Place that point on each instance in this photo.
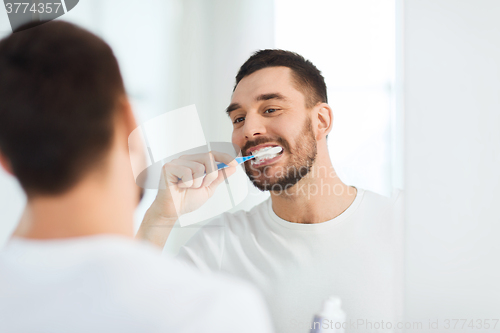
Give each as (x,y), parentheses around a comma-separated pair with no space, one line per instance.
(206,248)
(375,207)
(138,261)
(375,201)
(171,292)
(238,221)
(124,277)
(381,214)
(241,221)
(183,294)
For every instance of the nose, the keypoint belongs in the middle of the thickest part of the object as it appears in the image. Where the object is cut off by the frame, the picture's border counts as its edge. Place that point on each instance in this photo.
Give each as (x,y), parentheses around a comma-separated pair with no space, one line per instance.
(253,127)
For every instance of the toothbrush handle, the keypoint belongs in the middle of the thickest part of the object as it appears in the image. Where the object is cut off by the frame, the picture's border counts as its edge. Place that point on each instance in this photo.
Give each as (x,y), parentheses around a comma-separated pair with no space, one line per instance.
(221,166)
(238,159)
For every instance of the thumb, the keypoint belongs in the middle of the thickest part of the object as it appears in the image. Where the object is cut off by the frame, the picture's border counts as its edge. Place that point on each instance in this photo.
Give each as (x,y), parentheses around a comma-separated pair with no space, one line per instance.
(223,174)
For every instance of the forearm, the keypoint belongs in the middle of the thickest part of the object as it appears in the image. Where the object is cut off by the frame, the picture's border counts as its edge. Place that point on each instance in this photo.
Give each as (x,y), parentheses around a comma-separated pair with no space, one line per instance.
(155,229)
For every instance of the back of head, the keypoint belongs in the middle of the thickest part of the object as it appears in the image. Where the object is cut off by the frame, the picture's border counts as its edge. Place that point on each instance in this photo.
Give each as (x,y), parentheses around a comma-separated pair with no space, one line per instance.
(59,86)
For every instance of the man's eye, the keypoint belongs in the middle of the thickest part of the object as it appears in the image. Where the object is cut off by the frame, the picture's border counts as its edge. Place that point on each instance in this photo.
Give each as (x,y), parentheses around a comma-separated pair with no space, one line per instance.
(239,119)
(270,110)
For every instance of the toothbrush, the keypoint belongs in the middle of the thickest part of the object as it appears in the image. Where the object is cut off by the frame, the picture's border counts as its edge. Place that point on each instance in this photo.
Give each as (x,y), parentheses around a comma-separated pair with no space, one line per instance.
(270,151)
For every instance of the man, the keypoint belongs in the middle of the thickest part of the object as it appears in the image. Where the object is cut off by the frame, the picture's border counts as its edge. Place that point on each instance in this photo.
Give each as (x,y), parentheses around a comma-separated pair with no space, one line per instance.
(73,265)
(315,237)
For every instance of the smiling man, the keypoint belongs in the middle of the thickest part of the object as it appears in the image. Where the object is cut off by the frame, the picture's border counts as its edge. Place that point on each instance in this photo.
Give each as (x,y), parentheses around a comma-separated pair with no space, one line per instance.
(315,236)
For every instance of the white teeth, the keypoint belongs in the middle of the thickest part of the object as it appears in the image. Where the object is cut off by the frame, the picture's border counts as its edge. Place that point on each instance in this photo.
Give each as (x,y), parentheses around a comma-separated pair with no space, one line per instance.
(261,154)
(261,159)
(261,151)
(267,151)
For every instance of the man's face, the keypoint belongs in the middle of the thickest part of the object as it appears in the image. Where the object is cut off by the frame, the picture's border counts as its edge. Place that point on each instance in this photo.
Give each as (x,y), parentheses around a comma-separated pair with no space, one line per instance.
(268,110)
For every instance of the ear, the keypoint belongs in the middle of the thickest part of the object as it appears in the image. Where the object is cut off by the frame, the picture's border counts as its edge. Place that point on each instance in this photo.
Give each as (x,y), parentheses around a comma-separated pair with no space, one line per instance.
(125,120)
(5,163)
(324,120)
(128,116)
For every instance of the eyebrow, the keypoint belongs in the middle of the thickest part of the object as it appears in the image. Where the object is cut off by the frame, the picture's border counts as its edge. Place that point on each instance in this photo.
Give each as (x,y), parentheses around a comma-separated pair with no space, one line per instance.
(266,97)
(232,107)
(262,97)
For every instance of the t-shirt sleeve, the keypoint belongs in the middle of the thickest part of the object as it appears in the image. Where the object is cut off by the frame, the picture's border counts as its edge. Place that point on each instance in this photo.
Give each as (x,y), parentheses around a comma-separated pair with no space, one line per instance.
(206,248)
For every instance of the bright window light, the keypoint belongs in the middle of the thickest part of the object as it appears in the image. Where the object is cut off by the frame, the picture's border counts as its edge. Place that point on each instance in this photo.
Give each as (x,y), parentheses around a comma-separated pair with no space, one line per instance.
(353,44)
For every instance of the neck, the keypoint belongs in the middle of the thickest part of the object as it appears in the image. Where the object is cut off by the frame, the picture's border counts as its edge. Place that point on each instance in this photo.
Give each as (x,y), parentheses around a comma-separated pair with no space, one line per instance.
(96,205)
(318,197)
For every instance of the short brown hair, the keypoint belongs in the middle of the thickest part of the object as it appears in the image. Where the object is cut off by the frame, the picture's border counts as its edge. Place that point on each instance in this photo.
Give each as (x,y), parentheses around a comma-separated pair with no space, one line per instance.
(307,77)
(59,86)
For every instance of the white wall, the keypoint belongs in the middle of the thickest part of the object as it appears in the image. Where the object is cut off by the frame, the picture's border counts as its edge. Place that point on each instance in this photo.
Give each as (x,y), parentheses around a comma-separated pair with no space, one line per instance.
(452,159)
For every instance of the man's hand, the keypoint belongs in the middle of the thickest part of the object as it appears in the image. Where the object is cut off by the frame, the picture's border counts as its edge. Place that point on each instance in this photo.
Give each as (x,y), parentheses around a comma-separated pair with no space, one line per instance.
(186,184)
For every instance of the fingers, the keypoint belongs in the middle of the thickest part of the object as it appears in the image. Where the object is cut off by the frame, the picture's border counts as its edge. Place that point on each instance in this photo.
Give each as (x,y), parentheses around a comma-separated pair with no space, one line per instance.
(224,158)
(199,170)
(178,174)
(230,170)
(222,175)
(212,171)
(207,161)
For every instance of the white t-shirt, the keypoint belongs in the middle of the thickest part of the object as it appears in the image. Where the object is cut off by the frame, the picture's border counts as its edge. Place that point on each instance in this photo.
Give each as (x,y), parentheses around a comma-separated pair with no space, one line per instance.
(114,284)
(357,256)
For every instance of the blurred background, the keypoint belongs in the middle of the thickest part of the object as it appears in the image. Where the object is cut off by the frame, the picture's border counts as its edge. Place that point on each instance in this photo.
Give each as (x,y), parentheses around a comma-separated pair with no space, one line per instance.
(415,90)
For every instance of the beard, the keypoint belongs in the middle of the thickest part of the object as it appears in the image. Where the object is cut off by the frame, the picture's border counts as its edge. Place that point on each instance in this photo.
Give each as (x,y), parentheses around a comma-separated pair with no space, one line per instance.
(300,161)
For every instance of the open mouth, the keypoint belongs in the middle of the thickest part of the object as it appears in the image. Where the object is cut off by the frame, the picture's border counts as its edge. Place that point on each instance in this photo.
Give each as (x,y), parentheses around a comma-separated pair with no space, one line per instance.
(264,159)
